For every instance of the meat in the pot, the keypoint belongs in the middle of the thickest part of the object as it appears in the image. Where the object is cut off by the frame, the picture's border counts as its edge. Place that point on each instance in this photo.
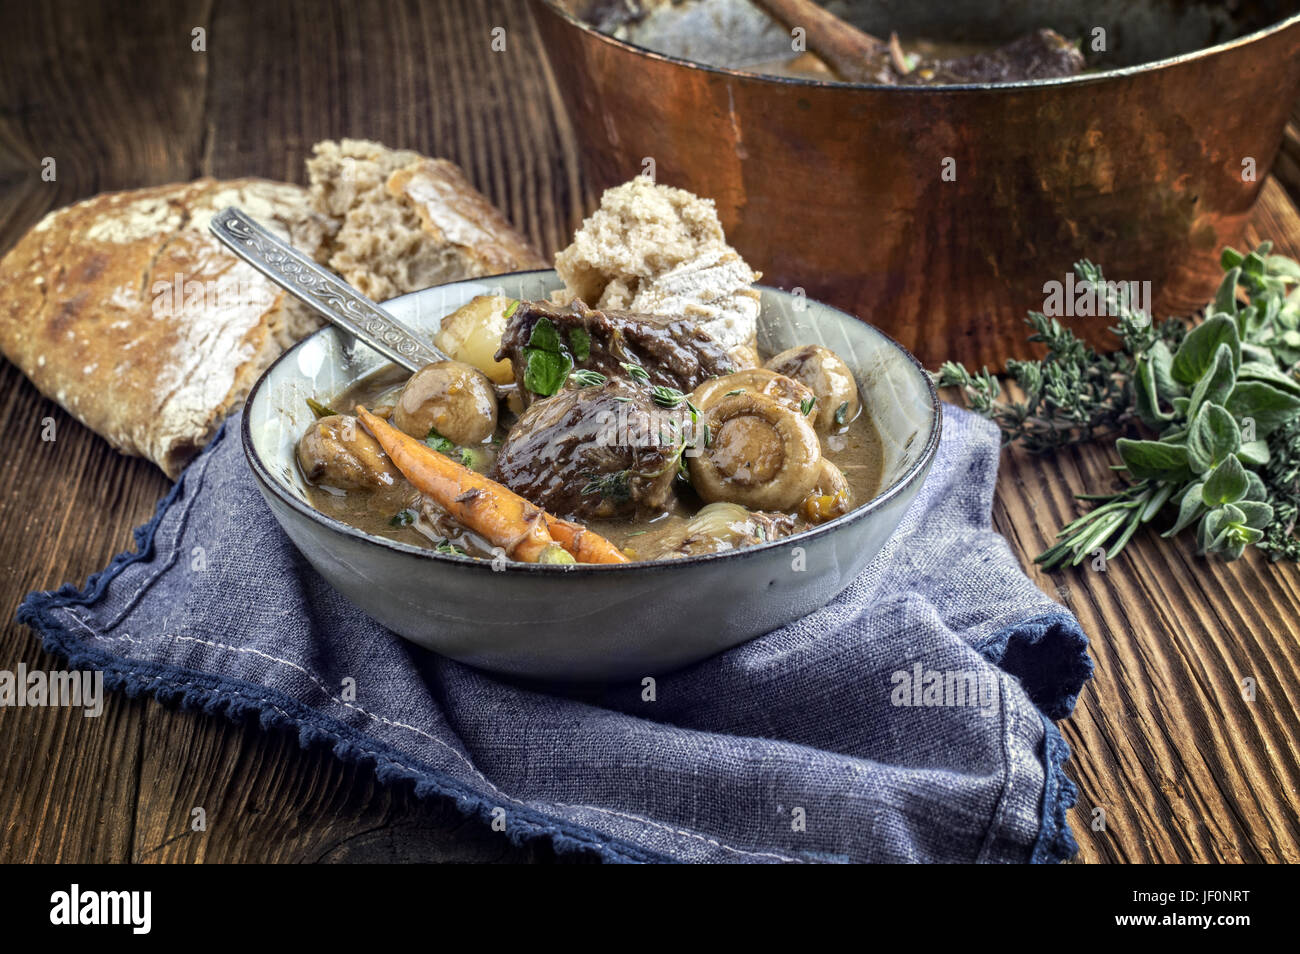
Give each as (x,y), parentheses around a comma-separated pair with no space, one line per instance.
(596,451)
(1043,54)
(754,35)
(544,341)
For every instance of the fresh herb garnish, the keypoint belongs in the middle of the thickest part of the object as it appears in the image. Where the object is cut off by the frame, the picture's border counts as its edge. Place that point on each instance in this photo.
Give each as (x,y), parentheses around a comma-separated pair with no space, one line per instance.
(734,393)
(587,379)
(670,398)
(841,414)
(438,442)
(636,372)
(1220,401)
(548,364)
(446,546)
(615,486)
(806,406)
(666,397)
(403,518)
(319,409)
(511,309)
(580,344)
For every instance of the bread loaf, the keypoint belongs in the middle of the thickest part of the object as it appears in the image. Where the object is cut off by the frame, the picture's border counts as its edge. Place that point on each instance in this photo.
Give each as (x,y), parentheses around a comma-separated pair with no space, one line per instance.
(406,222)
(128,313)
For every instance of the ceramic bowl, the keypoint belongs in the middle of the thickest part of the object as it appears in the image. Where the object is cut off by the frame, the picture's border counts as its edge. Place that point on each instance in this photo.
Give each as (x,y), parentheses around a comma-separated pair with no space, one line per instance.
(576,622)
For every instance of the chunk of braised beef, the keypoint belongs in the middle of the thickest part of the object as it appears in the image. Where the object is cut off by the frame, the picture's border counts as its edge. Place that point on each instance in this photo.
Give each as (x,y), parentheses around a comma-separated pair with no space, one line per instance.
(673,350)
(597,451)
(1042,54)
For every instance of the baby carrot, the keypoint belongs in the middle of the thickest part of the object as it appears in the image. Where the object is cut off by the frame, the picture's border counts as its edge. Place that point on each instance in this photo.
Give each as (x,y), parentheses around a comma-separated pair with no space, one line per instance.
(490,509)
(585,545)
(501,516)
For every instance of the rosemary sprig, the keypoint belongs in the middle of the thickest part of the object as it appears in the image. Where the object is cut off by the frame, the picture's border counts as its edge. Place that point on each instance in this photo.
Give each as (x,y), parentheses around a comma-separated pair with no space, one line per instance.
(585,378)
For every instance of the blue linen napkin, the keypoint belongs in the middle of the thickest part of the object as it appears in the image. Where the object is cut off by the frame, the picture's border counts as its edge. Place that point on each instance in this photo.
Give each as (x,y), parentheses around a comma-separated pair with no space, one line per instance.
(820,742)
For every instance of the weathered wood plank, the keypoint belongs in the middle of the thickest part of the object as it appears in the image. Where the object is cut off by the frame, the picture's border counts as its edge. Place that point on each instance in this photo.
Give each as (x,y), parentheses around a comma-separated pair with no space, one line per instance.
(70,783)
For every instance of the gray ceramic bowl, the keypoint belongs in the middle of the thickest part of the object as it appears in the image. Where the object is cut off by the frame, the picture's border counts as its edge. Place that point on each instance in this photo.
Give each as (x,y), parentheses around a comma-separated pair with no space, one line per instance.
(584,623)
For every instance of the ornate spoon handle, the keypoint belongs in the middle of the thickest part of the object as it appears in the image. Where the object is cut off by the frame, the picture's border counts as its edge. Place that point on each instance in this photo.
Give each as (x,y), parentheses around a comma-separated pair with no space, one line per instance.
(317,288)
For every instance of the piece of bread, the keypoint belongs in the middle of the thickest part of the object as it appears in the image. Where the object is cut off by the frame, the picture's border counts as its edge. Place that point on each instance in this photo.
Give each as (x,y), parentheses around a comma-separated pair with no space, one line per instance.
(655,249)
(125,310)
(406,222)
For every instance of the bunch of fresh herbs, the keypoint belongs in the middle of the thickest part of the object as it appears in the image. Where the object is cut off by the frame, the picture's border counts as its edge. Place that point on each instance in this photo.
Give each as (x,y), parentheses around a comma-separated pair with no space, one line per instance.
(1205,417)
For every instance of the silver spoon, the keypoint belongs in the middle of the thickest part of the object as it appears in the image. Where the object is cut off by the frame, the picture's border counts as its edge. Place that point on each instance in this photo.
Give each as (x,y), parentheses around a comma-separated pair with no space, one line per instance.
(332,297)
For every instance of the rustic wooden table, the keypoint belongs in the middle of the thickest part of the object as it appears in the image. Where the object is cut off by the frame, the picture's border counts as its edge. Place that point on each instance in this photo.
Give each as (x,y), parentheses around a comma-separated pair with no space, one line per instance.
(1184,767)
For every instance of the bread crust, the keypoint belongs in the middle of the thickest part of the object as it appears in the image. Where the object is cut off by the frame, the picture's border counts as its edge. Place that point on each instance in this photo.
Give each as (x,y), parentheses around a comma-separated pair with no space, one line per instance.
(128,313)
(453,211)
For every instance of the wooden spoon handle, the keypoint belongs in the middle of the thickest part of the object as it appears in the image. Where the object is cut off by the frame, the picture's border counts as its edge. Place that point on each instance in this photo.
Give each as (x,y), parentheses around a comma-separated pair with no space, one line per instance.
(845,48)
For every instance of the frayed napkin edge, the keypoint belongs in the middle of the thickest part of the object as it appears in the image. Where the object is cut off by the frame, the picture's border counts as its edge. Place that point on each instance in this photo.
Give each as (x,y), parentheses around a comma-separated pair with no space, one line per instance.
(238,701)
(1055,840)
(1048,654)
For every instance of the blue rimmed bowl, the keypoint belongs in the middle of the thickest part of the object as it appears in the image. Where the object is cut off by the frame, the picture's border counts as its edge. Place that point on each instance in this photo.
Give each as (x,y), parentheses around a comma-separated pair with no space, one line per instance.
(587,623)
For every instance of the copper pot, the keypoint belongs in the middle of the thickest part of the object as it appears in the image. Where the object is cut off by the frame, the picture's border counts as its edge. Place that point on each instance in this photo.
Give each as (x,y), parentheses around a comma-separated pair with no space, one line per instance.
(837,188)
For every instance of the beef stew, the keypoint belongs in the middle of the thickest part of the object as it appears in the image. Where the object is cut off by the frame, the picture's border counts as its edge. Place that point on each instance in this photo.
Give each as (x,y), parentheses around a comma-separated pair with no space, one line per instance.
(605,449)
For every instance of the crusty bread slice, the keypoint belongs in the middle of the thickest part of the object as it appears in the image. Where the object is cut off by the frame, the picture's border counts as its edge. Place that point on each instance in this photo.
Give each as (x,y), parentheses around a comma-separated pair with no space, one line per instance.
(652,248)
(128,313)
(406,222)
